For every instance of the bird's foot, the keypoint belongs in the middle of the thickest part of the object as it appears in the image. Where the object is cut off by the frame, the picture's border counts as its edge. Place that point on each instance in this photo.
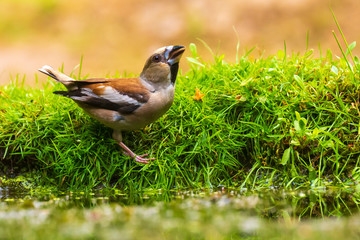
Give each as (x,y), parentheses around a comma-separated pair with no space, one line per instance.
(137,158)
(140,158)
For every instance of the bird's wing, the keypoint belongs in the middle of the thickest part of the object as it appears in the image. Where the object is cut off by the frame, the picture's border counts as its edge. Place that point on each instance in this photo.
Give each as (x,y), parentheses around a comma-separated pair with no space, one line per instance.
(121,95)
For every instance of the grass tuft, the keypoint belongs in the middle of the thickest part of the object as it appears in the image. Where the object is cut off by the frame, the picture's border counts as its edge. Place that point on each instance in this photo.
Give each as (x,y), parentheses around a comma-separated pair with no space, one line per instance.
(290,121)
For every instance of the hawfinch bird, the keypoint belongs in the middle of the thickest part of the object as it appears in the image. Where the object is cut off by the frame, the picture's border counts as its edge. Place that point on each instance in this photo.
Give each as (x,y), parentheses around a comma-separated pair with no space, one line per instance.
(127,103)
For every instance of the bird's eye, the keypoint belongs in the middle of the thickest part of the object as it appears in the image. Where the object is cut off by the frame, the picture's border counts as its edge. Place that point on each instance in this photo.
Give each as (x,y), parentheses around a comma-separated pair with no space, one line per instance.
(157,58)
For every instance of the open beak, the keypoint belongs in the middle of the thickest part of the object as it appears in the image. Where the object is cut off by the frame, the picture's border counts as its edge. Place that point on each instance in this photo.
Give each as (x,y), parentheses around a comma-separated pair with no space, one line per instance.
(173,54)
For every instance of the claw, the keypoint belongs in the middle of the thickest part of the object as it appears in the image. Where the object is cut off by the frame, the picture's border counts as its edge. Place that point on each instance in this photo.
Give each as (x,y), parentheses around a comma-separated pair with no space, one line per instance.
(137,158)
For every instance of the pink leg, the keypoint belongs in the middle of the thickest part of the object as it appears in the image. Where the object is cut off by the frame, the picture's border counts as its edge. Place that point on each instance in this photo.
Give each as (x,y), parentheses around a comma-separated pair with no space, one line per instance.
(138,158)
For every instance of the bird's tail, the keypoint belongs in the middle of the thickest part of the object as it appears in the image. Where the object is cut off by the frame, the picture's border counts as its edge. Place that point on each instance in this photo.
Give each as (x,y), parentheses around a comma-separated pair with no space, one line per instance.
(58,76)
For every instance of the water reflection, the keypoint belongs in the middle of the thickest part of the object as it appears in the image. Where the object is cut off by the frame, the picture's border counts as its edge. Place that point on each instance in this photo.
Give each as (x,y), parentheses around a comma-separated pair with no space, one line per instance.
(270,204)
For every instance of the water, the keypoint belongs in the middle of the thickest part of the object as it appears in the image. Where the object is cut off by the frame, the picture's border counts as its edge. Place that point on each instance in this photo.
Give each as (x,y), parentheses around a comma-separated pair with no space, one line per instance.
(191,214)
(267,204)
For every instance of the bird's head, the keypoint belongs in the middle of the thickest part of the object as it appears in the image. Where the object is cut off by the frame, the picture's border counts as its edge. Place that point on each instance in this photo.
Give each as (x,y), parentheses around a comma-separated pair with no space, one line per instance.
(162,66)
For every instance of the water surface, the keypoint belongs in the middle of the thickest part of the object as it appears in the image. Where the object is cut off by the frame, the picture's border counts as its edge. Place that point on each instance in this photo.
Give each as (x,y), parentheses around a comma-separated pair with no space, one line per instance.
(188,214)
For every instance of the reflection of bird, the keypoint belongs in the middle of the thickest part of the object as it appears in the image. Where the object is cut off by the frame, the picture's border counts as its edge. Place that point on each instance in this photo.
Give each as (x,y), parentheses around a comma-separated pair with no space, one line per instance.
(127,103)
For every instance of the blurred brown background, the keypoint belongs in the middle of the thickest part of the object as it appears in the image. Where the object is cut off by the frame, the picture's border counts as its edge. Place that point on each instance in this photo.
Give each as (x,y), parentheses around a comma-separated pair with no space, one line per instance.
(118,35)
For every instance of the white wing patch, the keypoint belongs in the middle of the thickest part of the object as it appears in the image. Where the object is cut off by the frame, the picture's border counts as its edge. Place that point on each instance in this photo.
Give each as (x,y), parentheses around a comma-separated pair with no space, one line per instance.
(114,96)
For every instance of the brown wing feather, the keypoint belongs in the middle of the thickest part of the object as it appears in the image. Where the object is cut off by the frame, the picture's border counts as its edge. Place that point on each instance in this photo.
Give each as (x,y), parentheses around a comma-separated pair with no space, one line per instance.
(131,87)
(122,95)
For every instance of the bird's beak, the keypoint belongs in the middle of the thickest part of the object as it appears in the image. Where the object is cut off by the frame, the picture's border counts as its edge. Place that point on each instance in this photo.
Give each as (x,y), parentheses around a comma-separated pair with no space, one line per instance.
(173,54)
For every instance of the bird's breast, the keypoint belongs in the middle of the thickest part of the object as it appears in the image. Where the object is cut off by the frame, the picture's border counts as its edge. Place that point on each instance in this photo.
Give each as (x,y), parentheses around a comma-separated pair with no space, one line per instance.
(159,102)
